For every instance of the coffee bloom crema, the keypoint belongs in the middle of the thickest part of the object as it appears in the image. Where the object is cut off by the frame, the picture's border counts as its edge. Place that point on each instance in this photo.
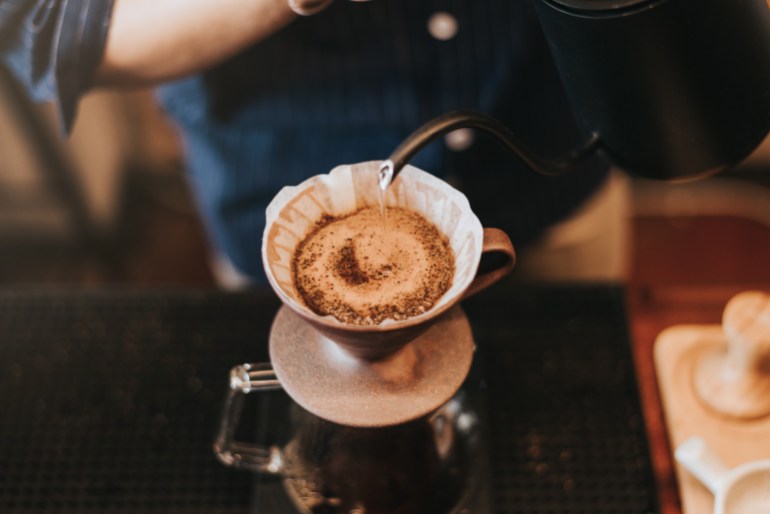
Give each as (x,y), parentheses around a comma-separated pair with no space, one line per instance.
(362,271)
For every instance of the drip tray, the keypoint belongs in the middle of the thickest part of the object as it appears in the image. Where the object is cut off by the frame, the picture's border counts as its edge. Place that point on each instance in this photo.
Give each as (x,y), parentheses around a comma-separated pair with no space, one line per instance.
(110,401)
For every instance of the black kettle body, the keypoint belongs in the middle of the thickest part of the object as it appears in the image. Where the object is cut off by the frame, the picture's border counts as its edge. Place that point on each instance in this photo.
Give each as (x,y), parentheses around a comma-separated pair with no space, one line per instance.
(672,88)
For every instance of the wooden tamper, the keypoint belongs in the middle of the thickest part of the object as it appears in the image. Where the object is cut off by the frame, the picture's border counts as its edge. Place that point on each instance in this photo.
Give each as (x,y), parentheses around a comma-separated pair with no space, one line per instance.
(735,379)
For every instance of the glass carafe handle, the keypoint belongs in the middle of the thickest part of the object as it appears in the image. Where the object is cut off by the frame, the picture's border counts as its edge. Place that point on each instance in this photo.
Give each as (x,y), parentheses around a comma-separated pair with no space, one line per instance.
(245,379)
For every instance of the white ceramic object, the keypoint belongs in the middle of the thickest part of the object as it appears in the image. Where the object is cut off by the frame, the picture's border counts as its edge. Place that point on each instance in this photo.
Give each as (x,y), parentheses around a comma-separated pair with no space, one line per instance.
(741,490)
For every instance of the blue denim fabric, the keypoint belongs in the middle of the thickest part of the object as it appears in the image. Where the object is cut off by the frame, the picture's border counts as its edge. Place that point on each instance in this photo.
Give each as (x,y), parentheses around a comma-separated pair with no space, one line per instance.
(344,86)
(53,47)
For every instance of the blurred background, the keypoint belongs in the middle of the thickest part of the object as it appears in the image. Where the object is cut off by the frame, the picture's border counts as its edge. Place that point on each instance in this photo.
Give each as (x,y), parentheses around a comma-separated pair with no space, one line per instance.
(111,206)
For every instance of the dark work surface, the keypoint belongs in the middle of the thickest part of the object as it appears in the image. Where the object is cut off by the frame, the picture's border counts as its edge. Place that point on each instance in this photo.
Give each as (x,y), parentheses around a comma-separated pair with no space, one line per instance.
(109,401)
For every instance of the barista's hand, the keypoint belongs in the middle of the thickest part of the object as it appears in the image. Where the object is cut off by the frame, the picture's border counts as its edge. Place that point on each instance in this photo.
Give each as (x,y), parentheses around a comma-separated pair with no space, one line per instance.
(308,7)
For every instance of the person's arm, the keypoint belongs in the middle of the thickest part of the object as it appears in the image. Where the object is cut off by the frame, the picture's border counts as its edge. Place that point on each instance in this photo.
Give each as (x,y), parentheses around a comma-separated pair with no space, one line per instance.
(151,41)
(56,48)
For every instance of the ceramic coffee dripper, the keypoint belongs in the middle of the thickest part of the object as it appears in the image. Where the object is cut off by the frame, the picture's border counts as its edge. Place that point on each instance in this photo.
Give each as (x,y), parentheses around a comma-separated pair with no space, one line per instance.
(741,490)
(380,428)
(397,371)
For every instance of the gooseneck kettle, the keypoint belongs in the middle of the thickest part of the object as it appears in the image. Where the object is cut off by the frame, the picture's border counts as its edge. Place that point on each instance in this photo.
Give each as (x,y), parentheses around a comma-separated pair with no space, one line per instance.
(666,89)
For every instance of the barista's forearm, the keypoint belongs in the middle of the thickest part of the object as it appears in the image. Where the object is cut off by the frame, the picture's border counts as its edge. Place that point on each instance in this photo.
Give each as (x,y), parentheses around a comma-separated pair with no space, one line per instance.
(151,41)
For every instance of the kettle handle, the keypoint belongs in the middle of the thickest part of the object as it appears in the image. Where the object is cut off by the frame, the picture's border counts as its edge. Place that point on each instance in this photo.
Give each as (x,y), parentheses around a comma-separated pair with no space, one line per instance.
(244,379)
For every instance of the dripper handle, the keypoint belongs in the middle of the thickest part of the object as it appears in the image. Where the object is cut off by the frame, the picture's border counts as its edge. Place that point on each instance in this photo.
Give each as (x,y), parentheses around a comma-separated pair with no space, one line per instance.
(245,379)
(495,242)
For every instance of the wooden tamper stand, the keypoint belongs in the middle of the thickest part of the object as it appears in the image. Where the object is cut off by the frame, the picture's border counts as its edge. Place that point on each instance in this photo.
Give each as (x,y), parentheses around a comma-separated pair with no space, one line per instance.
(735,380)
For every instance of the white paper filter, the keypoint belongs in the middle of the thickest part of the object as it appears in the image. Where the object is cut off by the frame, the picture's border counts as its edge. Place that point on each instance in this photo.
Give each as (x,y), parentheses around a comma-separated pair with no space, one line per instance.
(295,210)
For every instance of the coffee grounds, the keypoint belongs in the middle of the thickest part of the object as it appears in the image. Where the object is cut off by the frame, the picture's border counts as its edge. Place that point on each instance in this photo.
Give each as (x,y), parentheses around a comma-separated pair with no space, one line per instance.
(347,267)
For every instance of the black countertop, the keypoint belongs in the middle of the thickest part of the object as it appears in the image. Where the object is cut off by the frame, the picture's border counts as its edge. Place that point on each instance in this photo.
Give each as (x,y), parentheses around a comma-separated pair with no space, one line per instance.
(109,400)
